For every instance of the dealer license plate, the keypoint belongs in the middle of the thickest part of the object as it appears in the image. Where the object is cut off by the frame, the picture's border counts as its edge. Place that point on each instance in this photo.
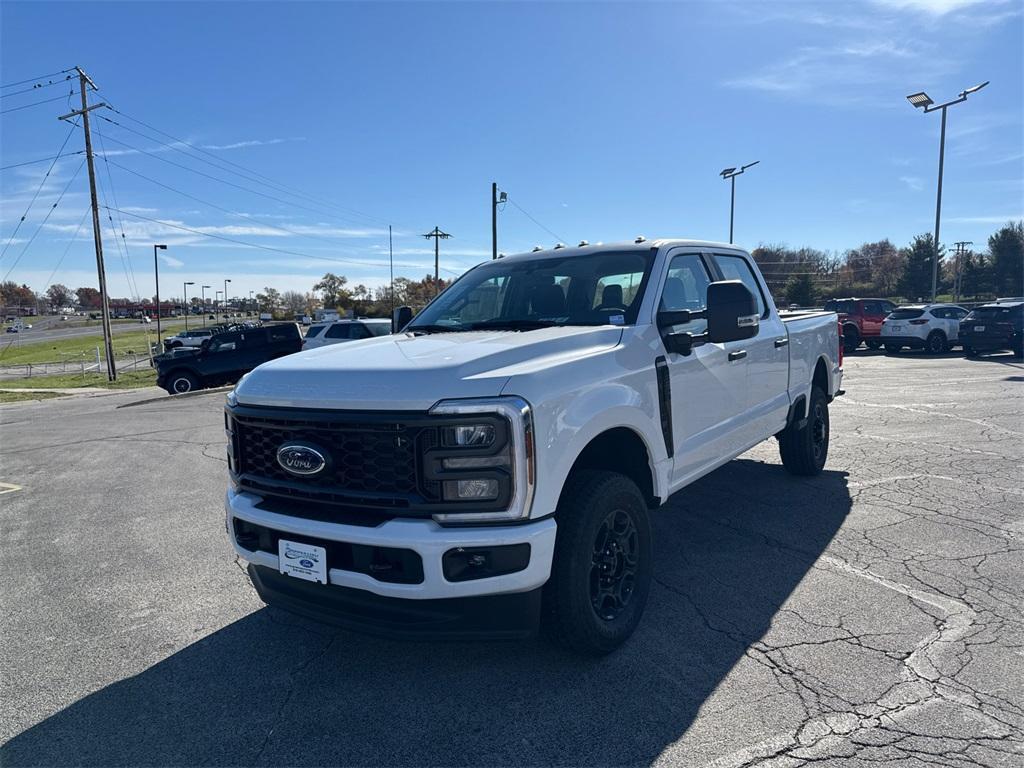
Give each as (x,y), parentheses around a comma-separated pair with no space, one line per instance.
(303,561)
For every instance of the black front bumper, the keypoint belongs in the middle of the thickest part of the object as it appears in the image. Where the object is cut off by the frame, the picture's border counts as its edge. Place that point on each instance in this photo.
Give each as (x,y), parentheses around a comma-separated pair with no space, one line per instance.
(492,617)
(990,342)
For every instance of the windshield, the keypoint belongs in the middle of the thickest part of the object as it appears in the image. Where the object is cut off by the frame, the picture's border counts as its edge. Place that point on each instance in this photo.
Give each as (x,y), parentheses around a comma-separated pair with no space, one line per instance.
(602,288)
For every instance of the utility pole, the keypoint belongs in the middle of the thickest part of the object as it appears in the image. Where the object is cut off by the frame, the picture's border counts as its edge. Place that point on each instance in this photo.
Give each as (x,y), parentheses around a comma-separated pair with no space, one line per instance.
(961,251)
(494,220)
(84,83)
(438,235)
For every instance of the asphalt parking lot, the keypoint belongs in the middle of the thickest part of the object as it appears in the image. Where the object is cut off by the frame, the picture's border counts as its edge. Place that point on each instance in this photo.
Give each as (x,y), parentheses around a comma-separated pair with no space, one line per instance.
(872,615)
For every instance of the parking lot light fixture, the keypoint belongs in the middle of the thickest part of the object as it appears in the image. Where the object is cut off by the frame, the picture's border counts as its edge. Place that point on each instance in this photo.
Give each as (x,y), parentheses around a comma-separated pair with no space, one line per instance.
(184,301)
(925,103)
(731,174)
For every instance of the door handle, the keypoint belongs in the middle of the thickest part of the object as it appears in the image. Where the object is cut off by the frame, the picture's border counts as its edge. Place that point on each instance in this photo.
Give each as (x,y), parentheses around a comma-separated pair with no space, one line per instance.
(781,343)
(739,354)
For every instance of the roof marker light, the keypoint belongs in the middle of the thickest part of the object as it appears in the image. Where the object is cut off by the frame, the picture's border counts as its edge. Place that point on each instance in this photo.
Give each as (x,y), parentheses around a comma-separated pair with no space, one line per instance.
(640,239)
(559,245)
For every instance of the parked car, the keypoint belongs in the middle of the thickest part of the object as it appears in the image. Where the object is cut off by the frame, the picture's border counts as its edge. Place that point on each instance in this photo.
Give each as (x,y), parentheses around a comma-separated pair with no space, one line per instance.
(188,338)
(338,331)
(861,320)
(994,327)
(505,448)
(934,328)
(224,357)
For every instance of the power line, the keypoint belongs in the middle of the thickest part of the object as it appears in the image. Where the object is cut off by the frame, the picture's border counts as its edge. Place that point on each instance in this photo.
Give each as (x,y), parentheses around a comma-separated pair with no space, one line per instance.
(43,222)
(49,280)
(125,257)
(267,247)
(524,212)
(38,190)
(36,87)
(265,179)
(37,103)
(37,79)
(132,289)
(41,160)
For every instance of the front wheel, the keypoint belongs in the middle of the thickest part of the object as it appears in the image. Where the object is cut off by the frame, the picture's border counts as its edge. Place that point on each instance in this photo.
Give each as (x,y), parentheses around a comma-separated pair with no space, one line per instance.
(851,339)
(180,383)
(804,450)
(601,573)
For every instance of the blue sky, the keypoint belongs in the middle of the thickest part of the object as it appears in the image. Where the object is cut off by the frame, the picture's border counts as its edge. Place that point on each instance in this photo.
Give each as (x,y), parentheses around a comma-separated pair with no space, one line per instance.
(601,121)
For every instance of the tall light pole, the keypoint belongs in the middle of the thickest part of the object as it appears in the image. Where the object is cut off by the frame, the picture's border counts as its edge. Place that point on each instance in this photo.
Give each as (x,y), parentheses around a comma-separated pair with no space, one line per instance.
(731,174)
(496,200)
(204,304)
(226,281)
(156,273)
(923,101)
(249,305)
(184,301)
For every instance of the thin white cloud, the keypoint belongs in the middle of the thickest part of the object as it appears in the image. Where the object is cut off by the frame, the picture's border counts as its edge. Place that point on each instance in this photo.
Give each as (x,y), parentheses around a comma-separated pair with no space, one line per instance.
(171,262)
(932,7)
(913,182)
(251,143)
(984,219)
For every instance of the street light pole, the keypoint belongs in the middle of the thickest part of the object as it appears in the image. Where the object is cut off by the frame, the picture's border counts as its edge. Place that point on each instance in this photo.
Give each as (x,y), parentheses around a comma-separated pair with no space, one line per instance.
(226,281)
(731,174)
(204,305)
(156,273)
(921,100)
(496,200)
(184,301)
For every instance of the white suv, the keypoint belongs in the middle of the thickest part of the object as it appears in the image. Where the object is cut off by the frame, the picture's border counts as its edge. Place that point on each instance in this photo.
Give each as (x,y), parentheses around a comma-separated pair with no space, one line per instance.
(337,331)
(931,327)
(188,338)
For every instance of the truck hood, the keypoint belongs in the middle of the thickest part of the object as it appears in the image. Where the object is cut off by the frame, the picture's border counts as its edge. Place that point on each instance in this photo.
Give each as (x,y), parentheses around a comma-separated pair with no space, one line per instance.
(406,372)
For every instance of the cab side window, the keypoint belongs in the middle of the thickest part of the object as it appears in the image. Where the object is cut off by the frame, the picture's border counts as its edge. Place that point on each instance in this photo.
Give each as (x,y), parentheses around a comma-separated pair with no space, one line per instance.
(339,331)
(686,287)
(737,268)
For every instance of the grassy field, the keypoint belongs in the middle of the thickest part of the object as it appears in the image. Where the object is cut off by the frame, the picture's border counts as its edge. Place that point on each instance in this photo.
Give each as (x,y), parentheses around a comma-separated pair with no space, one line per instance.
(17,397)
(78,348)
(126,380)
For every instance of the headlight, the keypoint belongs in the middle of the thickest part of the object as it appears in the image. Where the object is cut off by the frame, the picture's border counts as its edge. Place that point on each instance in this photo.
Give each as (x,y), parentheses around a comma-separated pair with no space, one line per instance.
(497,469)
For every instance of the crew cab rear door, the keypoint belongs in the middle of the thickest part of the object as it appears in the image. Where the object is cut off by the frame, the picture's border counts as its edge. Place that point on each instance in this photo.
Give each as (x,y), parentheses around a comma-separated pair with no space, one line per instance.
(767,353)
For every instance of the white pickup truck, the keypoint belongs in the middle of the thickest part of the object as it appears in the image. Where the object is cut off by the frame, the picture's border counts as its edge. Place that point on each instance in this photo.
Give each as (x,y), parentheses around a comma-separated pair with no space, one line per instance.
(491,467)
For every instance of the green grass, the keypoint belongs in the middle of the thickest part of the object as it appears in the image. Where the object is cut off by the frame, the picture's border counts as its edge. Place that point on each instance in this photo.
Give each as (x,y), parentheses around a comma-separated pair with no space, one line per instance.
(17,397)
(78,348)
(126,380)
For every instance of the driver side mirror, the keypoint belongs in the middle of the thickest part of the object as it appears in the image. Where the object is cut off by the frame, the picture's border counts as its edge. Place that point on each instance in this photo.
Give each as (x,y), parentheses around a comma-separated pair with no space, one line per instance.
(731,315)
(401,318)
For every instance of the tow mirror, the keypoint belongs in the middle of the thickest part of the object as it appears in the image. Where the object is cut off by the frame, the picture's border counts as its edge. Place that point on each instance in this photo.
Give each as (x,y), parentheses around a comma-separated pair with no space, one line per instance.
(732,312)
(731,315)
(401,318)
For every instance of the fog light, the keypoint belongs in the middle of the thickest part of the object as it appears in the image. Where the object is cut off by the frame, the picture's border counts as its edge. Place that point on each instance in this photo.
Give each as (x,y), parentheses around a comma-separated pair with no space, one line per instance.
(466,564)
(482,489)
(470,435)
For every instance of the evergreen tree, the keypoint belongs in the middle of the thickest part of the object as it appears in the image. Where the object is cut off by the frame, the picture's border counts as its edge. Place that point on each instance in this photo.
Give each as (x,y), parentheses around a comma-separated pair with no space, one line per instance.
(1006,256)
(800,290)
(916,280)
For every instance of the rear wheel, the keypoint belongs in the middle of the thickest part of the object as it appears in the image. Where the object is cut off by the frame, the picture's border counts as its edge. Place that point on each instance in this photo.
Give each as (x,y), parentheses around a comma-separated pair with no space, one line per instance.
(805,449)
(601,573)
(892,349)
(851,338)
(181,382)
(936,343)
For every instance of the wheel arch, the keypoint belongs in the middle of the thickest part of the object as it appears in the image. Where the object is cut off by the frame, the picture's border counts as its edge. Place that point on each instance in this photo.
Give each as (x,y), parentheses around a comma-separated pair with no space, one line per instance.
(622,450)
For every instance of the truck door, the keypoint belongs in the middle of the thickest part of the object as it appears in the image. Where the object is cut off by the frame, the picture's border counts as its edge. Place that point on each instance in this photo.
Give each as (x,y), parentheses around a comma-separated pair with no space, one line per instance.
(708,390)
(767,355)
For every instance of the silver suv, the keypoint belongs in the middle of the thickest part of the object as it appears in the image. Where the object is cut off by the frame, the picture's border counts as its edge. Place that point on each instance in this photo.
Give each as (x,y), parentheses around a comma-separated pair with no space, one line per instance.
(337,331)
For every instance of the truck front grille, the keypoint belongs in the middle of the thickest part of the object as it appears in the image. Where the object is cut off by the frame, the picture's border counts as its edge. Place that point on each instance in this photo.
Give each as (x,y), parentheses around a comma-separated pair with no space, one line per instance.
(373,458)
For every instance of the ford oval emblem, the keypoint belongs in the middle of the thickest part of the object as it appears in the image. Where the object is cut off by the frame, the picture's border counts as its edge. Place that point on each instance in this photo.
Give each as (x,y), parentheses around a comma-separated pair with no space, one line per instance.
(301,459)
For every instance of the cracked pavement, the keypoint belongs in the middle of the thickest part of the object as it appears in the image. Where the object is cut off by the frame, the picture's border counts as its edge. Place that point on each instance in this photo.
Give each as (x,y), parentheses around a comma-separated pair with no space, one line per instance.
(870,616)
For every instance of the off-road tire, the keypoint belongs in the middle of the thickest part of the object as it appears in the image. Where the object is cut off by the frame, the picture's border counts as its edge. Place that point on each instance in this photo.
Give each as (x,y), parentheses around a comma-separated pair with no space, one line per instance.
(805,450)
(180,382)
(936,343)
(576,613)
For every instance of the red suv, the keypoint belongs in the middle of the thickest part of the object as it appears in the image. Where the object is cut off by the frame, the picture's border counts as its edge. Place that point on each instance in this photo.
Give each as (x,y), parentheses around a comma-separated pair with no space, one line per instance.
(861,320)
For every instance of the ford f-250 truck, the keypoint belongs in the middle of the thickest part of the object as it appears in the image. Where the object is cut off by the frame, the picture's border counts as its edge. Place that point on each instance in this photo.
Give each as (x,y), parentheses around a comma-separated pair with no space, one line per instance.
(491,467)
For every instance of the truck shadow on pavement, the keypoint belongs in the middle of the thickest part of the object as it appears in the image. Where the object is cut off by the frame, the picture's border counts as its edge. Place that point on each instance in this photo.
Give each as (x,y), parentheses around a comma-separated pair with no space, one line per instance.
(279,690)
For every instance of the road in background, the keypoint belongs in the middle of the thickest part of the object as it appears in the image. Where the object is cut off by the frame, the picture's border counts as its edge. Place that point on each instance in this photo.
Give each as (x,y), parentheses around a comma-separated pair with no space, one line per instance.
(874,613)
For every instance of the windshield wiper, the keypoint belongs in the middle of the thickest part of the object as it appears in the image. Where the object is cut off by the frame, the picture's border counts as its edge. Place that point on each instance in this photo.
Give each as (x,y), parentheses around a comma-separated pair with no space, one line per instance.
(434,329)
(511,325)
